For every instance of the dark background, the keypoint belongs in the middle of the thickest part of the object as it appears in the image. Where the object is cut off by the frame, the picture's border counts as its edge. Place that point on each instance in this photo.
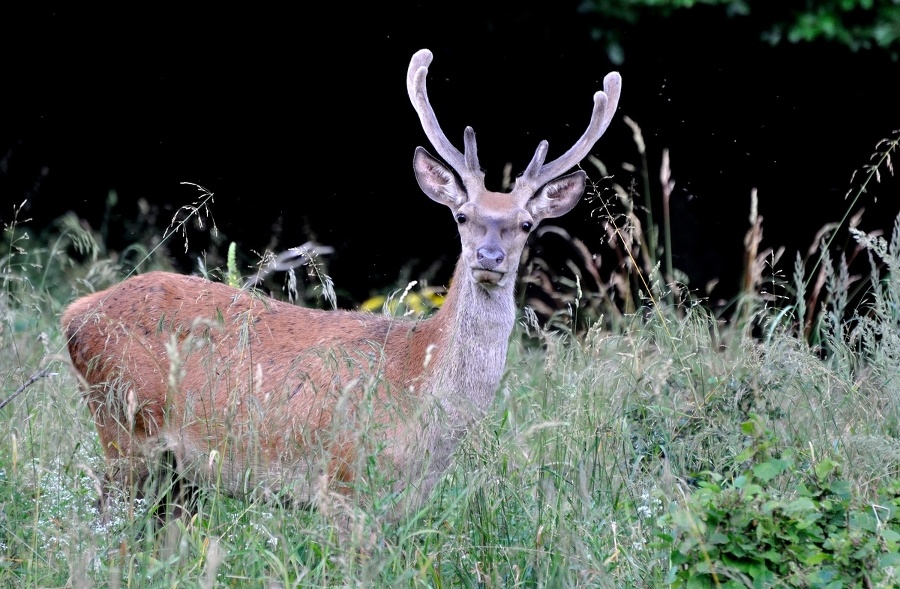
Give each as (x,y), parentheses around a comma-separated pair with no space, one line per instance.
(297,119)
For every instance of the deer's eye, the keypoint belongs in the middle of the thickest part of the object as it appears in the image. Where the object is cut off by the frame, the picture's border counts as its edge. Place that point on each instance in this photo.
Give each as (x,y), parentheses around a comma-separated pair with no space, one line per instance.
(460,218)
(526,226)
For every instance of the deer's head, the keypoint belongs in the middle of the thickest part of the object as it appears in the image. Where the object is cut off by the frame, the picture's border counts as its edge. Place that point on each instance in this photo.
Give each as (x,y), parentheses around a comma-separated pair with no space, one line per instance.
(493,226)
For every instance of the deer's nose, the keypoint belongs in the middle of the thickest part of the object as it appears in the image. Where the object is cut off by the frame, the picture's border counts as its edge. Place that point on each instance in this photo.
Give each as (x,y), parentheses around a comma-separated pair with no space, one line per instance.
(490,256)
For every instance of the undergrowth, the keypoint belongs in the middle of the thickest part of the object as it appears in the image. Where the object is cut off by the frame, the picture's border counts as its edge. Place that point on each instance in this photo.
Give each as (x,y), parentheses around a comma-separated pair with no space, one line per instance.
(641,446)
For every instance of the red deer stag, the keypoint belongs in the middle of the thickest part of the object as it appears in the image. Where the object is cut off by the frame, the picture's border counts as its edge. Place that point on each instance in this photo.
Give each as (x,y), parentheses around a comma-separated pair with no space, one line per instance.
(252,394)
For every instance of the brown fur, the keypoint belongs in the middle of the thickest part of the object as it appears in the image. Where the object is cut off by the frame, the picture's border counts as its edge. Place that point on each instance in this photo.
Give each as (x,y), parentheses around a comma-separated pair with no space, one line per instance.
(256,394)
(230,346)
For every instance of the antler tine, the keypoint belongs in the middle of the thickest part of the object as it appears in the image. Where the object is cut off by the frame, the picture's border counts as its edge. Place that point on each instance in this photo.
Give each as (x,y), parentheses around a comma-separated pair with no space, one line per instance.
(605,103)
(465,165)
(421,59)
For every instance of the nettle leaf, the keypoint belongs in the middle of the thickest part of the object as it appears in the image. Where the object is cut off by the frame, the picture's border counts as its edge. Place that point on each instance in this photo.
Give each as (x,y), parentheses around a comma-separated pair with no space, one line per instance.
(890,536)
(824,468)
(841,489)
(762,576)
(665,538)
(773,556)
(867,550)
(770,469)
(815,558)
(811,519)
(770,506)
(751,491)
(804,491)
(686,521)
(747,454)
(827,577)
(687,546)
(709,486)
(799,507)
(864,521)
(699,582)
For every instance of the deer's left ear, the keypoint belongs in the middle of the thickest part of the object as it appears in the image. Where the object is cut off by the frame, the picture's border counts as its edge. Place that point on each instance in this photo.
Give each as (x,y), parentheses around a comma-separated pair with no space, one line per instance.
(557,197)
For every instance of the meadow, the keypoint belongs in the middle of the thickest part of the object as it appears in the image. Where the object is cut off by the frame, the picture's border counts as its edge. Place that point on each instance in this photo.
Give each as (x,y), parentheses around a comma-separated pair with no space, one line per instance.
(638,439)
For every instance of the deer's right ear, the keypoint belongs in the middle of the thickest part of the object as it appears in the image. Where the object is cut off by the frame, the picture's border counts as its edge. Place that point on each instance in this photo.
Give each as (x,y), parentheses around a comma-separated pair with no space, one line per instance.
(437,180)
(557,197)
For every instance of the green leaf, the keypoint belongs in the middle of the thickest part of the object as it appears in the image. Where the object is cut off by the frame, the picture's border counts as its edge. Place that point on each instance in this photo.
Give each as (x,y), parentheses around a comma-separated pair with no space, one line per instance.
(890,535)
(824,468)
(664,537)
(799,506)
(710,486)
(699,582)
(751,491)
(746,455)
(840,488)
(762,576)
(816,558)
(687,545)
(687,521)
(770,469)
(773,556)
(864,521)
(750,427)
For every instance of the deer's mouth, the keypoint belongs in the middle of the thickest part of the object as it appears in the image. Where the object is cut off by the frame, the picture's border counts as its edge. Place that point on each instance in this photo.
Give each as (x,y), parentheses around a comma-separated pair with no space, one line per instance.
(486,277)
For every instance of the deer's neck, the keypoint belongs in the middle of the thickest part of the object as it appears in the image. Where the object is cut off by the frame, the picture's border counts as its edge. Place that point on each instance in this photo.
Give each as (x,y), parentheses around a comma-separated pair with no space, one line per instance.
(460,355)
(471,334)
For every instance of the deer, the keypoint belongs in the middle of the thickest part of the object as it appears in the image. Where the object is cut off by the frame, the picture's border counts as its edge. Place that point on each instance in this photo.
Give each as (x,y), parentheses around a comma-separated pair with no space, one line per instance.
(257,395)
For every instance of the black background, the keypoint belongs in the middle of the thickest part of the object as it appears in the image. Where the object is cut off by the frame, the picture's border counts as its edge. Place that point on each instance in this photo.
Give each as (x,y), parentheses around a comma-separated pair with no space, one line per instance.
(297,118)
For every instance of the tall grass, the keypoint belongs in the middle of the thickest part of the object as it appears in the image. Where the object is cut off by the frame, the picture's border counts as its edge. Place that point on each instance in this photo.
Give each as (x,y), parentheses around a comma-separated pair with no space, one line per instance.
(596,437)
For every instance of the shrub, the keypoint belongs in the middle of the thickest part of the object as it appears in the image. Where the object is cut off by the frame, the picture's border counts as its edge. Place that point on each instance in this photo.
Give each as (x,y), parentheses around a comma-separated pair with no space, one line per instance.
(784,522)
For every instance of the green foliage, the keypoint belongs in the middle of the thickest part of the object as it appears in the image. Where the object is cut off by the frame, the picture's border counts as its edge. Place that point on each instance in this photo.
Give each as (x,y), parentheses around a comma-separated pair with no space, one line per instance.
(856,24)
(632,10)
(784,522)
(562,485)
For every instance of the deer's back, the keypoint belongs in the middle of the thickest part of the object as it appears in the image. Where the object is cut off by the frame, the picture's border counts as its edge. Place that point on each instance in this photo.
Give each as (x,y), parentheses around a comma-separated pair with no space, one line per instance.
(209,358)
